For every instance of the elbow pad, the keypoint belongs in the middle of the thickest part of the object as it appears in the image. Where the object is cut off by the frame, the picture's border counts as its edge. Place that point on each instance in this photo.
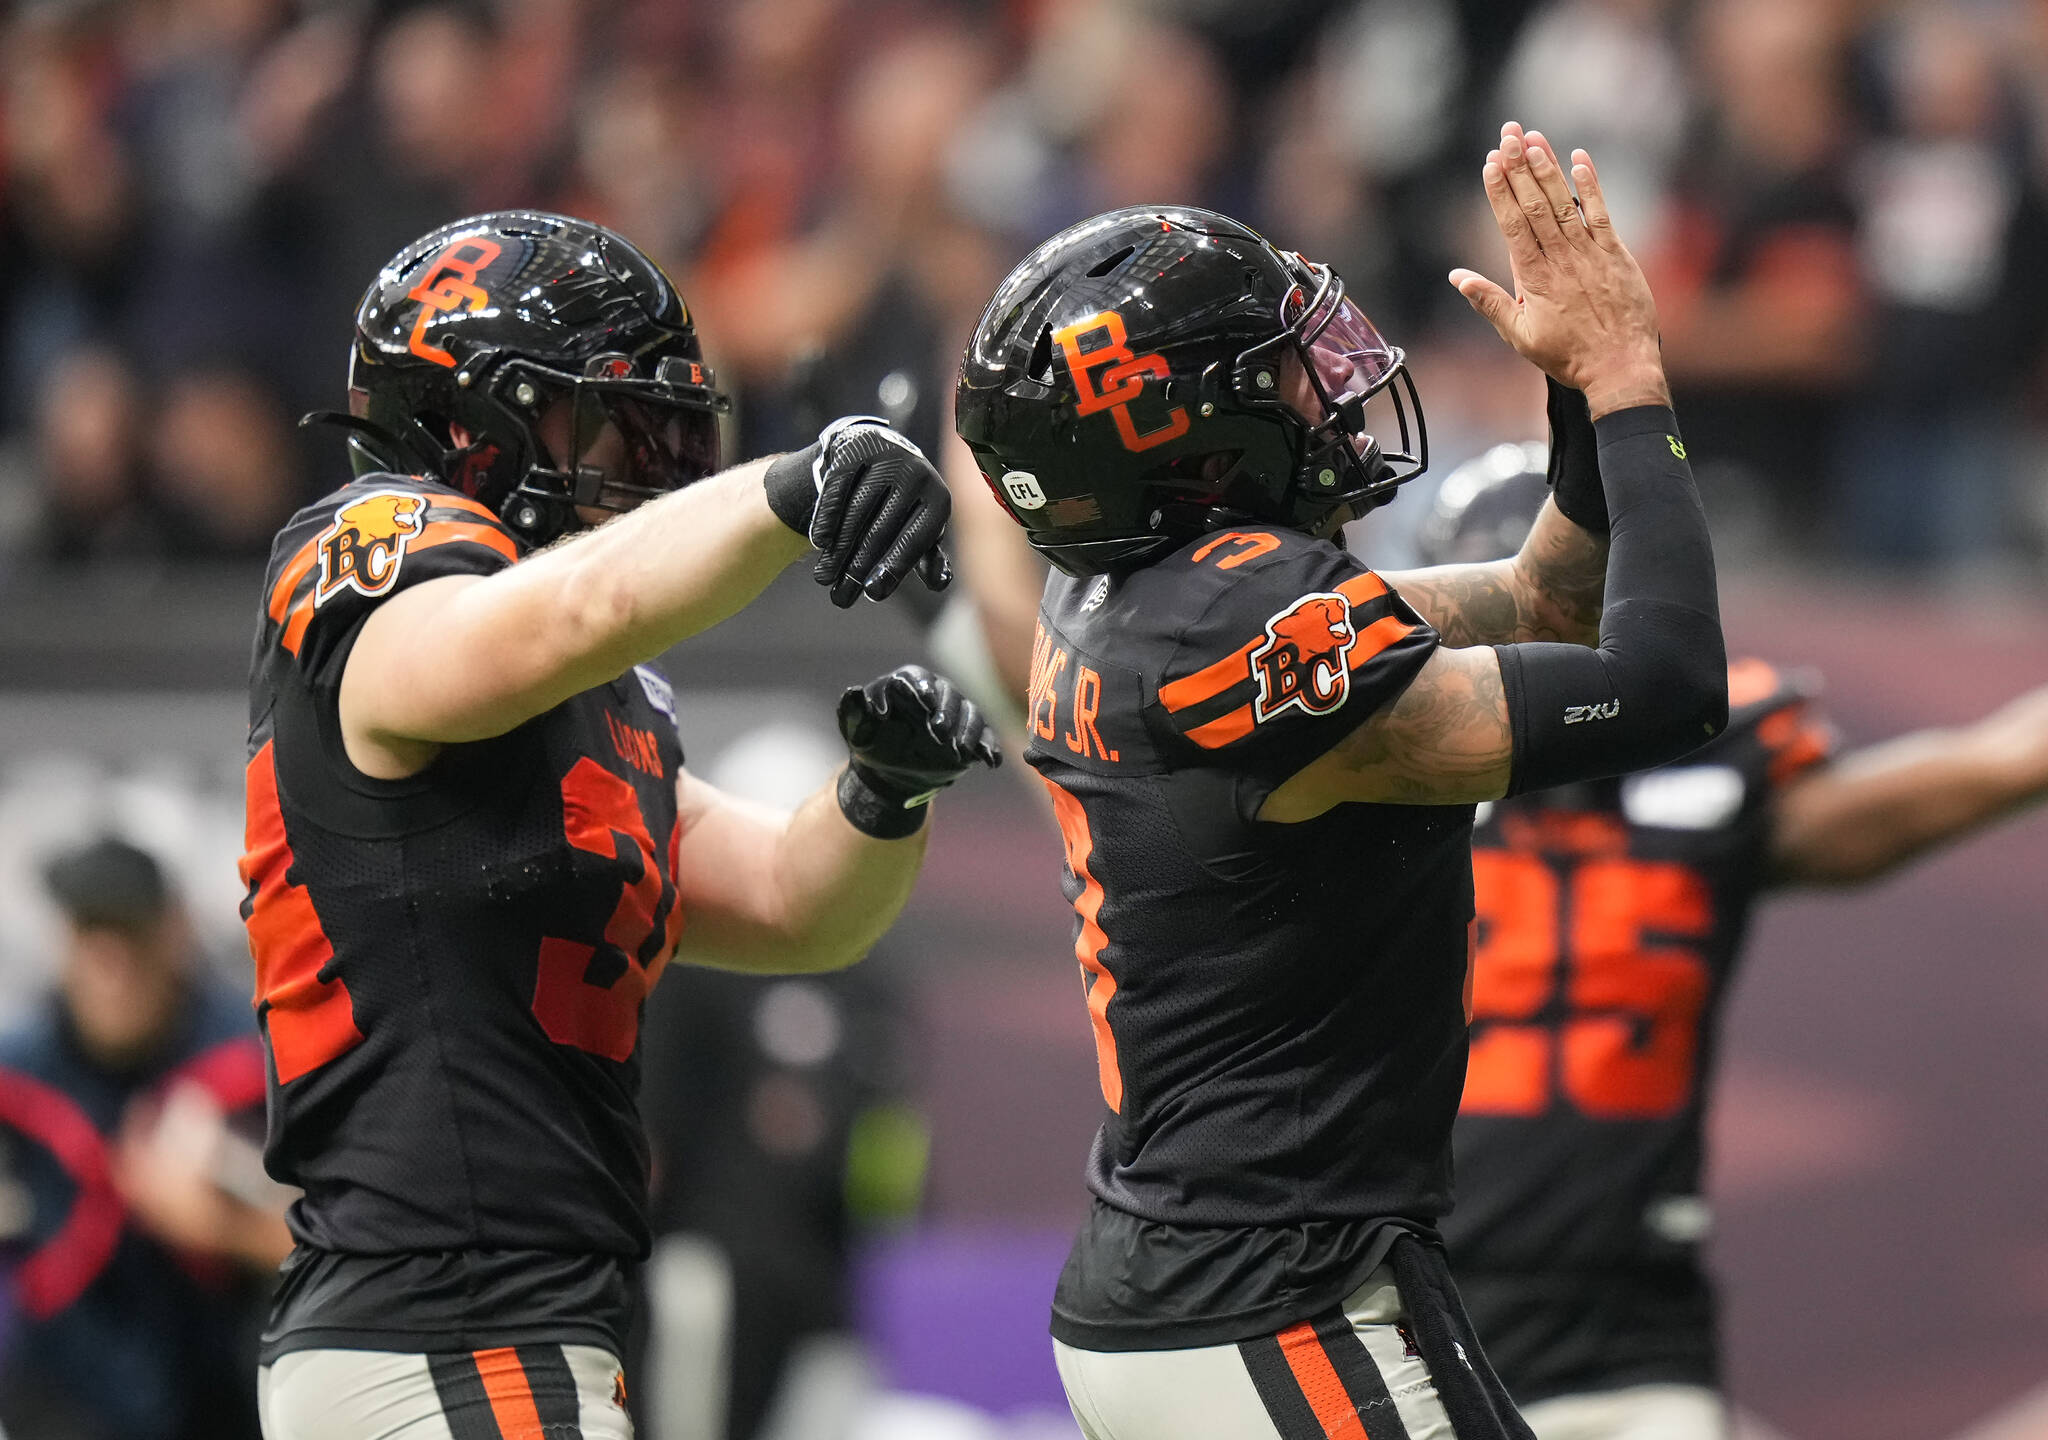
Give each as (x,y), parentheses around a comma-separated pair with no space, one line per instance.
(1657,688)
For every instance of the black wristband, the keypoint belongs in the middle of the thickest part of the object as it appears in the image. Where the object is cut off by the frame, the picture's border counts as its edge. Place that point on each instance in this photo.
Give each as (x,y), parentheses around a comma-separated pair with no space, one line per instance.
(876,809)
(1574,470)
(792,486)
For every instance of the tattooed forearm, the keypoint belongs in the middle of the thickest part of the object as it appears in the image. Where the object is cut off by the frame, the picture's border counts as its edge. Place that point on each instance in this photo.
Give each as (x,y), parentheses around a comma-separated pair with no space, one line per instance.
(1551,590)
(1449,739)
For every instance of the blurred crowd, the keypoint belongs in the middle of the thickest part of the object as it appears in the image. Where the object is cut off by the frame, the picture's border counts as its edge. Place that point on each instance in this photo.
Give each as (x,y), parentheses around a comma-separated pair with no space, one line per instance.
(1839,201)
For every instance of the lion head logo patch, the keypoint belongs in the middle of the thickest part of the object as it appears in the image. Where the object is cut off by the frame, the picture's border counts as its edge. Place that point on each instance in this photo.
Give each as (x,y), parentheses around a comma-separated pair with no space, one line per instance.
(1302,662)
(366,543)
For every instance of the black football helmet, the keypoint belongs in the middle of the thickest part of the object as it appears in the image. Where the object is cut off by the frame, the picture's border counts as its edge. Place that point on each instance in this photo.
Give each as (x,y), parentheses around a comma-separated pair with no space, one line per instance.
(1123,391)
(1485,508)
(474,331)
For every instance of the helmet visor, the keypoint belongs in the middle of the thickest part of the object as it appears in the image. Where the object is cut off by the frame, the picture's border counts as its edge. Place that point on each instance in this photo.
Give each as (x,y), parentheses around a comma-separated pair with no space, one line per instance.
(638,437)
(664,445)
(1344,349)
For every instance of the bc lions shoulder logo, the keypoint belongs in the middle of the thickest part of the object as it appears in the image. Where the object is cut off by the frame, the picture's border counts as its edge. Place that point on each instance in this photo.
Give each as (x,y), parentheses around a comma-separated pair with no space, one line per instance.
(366,543)
(1303,660)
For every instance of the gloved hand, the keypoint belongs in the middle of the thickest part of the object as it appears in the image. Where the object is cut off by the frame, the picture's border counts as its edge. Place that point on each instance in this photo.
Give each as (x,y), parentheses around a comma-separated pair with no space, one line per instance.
(910,734)
(871,502)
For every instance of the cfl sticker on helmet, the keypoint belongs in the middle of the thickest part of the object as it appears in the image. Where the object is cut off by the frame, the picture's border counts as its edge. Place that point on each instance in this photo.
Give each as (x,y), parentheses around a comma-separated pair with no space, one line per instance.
(1022,488)
(364,546)
(1303,663)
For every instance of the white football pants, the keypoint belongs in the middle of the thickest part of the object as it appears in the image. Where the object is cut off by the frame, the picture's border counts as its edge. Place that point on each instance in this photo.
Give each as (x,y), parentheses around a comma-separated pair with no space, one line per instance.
(1348,1375)
(527,1392)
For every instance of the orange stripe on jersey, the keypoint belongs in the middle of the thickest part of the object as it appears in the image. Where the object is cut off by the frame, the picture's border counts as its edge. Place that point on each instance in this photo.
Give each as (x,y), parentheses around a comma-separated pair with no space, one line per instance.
(1320,1384)
(1376,637)
(1750,681)
(1089,945)
(1211,680)
(288,579)
(1361,588)
(439,532)
(295,630)
(309,1021)
(1218,733)
(442,532)
(510,1395)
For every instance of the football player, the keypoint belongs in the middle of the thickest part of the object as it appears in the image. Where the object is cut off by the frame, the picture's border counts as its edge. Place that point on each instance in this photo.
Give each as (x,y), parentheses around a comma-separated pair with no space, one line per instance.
(1264,761)
(472,844)
(1611,915)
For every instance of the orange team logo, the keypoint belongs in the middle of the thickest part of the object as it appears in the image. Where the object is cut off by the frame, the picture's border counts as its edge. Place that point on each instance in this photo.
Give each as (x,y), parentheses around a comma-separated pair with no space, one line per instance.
(1123,377)
(366,543)
(450,284)
(1302,662)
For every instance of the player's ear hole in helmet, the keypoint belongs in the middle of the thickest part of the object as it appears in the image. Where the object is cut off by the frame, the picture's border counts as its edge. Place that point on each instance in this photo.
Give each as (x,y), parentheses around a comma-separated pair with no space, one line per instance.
(539,363)
(1158,372)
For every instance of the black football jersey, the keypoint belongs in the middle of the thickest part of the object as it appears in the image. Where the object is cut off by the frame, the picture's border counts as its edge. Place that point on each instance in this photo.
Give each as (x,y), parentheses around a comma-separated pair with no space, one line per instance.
(1611,917)
(449,968)
(1278,1009)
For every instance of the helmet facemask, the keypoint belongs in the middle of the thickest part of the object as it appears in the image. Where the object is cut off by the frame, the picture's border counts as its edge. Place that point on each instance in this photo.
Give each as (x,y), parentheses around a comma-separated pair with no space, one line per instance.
(1349,367)
(666,424)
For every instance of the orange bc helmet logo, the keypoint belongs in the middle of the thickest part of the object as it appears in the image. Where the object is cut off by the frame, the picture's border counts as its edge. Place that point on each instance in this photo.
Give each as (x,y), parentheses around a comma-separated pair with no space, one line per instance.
(1123,377)
(450,284)
(364,546)
(1302,661)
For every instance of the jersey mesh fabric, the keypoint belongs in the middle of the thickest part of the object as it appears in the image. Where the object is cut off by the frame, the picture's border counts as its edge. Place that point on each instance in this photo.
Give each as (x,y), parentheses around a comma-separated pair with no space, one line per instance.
(1577,1228)
(449,968)
(1278,1009)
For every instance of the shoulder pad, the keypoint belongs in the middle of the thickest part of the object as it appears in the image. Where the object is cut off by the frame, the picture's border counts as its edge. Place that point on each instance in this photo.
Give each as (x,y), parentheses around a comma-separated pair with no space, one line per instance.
(364,541)
(1774,714)
(1276,634)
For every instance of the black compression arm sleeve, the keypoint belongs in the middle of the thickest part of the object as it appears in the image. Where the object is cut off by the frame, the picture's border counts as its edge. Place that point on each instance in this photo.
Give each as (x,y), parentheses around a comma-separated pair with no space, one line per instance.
(1658,685)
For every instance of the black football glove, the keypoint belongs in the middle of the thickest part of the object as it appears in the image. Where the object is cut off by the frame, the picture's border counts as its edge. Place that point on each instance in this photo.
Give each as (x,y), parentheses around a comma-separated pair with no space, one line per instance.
(872,504)
(910,734)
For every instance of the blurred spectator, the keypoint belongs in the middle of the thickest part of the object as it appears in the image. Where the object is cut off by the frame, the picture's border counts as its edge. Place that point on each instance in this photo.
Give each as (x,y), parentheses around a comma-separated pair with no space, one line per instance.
(1953,228)
(136,1214)
(1606,75)
(638,166)
(865,314)
(1757,284)
(65,220)
(1829,195)
(224,464)
(92,502)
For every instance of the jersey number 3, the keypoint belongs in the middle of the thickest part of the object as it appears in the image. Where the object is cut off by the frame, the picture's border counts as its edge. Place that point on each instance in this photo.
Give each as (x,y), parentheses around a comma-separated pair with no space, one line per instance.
(601,815)
(1623,1044)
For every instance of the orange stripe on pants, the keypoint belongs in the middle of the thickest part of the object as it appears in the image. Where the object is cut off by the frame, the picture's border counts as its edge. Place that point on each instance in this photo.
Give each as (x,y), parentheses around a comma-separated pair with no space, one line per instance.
(511,1397)
(1319,1384)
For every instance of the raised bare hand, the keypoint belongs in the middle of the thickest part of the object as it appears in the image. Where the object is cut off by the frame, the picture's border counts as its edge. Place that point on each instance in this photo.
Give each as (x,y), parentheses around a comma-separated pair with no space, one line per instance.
(1582,311)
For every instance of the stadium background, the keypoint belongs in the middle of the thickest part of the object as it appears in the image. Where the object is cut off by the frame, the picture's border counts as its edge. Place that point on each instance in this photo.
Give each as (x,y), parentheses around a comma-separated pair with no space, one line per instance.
(1841,205)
